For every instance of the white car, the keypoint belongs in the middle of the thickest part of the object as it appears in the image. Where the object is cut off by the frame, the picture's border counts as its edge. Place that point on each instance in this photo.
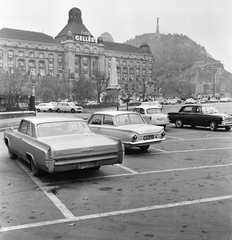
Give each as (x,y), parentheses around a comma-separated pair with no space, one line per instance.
(152,103)
(153,115)
(45,107)
(68,107)
(190,101)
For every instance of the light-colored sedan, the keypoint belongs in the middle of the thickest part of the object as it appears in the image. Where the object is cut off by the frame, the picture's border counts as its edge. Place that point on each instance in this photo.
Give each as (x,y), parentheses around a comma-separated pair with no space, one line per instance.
(61,144)
(153,115)
(45,107)
(68,107)
(130,127)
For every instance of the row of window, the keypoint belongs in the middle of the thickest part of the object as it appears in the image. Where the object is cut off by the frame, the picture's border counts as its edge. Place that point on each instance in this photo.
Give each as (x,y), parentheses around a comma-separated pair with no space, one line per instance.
(130,63)
(10,54)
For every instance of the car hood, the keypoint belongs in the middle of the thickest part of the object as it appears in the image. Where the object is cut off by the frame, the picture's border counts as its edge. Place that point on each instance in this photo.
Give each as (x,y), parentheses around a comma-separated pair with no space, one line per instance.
(141,128)
(81,144)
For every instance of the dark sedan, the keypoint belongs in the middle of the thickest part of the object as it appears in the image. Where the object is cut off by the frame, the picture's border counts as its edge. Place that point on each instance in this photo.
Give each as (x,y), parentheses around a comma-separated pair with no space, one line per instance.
(201,115)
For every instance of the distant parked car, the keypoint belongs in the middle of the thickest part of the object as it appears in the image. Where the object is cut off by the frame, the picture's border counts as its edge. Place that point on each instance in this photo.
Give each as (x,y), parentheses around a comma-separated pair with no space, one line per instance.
(213,100)
(153,115)
(45,107)
(130,127)
(190,101)
(201,115)
(61,144)
(152,103)
(224,100)
(134,103)
(171,101)
(68,107)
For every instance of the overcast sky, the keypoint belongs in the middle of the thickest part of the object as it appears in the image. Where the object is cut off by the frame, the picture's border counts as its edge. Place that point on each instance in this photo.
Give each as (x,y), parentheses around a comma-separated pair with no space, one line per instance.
(207,22)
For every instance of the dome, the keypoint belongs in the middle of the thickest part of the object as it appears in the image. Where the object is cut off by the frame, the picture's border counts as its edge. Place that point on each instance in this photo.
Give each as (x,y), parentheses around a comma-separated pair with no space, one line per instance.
(74,15)
(107,37)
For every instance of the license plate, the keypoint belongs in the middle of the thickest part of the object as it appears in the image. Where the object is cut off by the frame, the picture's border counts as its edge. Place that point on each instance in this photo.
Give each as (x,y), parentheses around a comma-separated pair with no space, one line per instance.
(147,137)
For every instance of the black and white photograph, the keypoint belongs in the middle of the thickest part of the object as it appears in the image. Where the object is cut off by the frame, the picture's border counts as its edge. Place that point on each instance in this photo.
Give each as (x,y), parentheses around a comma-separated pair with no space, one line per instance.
(115,120)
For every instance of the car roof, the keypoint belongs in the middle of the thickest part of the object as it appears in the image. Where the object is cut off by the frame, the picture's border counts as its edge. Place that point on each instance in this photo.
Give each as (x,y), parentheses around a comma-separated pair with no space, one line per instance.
(38,120)
(113,112)
(148,106)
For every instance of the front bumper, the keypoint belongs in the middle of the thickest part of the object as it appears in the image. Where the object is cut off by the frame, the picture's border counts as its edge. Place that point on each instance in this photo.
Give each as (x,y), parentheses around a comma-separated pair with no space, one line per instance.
(144,143)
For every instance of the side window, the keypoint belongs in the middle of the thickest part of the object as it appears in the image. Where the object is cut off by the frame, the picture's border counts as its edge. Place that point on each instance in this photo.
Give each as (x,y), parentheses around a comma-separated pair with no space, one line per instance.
(136,110)
(108,120)
(187,109)
(141,111)
(25,128)
(96,119)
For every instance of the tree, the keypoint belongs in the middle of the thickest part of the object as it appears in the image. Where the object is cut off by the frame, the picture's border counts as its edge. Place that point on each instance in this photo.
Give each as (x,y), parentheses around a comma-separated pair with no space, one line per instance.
(82,89)
(16,83)
(100,83)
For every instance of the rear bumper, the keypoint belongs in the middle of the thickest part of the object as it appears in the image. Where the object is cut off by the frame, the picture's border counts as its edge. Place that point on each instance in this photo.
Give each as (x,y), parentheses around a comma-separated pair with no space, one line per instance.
(61,165)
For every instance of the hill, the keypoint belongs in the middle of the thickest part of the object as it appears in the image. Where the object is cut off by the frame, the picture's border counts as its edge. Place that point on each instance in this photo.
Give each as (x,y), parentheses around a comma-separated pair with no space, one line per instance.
(184,68)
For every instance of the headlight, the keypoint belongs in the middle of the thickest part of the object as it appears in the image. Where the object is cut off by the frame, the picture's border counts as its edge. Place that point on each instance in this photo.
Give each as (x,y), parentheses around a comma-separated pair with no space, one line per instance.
(163,134)
(134,137)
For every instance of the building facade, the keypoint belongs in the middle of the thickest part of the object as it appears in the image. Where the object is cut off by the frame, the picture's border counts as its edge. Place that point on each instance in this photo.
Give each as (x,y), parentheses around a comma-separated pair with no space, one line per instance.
(75,50)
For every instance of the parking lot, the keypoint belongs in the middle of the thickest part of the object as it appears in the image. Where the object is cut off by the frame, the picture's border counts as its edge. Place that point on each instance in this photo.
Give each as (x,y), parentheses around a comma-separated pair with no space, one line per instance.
(179,189)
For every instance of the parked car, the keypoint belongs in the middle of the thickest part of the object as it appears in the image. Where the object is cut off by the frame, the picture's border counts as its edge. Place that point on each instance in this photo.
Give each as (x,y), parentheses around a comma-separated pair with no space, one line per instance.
(223,100)
(68,107)
(152,103)
(134,103)
(61,144)
(171,101)
(201,115)
(45,107)
(129,126)
(190,101)
(153,115)
(213,100)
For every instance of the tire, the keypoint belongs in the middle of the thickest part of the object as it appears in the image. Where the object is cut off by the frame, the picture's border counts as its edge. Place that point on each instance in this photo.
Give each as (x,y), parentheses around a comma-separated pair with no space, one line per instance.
(50,110)
(11,154)
(58,110)
(38,110)
(72,111)
(144,148)
(35,170)
(213,126)
(179,123)
(228,128)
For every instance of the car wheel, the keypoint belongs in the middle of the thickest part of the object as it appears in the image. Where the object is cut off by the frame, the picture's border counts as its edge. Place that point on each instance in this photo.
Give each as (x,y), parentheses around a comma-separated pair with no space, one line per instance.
(58,110)
(50,110)
(11,154)
(144,148)
(38,110)
(72,111)
(179,123)
(35,170)
(228,128)
(213,126)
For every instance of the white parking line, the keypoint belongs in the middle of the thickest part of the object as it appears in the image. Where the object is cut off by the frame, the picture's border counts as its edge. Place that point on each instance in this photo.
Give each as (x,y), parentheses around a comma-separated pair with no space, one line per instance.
(64,210)
(116,213)
(126,168)
(196,139)
(174,137)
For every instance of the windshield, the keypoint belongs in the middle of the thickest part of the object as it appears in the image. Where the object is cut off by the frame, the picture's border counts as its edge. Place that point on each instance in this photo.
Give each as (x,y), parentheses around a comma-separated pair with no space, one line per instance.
(209,109)
(125,119)
(153,110)
(62,128)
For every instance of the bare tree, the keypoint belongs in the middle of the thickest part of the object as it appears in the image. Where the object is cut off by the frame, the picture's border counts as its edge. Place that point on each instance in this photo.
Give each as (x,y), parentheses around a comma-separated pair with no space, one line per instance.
(100,83)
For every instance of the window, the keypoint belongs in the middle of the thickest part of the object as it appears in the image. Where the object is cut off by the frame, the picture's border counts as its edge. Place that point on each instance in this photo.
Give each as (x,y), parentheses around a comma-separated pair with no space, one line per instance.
(31,54)
(86,49)
(60,58)
(10,54)
(96,119)
(1,53)
(41,55)
(108,120)
(25,128)
(10,63)
(51,57)
(21,54)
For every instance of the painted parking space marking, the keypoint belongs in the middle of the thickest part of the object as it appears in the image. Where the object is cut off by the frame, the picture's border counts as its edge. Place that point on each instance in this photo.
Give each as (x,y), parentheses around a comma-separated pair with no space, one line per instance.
(174,138)
(63,209)
(126,168)
(196,139)
(117,213)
